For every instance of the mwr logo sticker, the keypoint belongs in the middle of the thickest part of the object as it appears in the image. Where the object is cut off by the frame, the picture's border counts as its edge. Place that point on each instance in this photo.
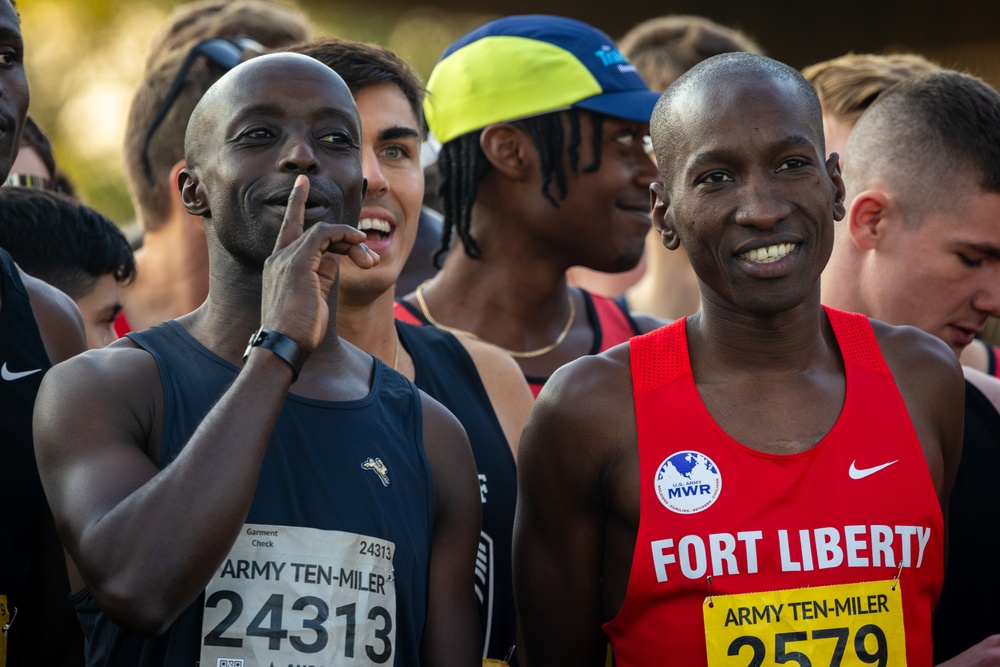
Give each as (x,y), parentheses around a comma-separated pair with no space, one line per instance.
(229,662)
(687,482)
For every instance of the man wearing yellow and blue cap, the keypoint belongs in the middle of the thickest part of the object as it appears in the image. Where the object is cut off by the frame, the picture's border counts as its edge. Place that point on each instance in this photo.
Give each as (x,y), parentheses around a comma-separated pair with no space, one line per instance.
(541,121)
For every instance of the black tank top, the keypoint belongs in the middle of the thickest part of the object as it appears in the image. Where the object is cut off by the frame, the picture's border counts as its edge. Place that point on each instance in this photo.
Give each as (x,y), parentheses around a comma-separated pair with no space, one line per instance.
(314,476)
(447,373)
(967,611)
(23,362)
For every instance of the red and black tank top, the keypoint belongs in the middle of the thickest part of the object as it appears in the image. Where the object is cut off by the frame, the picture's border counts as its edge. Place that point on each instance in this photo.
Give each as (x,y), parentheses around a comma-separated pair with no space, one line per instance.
(859,506)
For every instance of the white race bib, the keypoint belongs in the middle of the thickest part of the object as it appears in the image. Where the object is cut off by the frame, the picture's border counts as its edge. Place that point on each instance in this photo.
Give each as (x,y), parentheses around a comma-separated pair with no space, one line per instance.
(289,595)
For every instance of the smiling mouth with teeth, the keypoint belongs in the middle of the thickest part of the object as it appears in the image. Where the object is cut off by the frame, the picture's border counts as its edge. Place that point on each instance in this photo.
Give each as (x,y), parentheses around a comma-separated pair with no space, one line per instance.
(381,227)
(771,253)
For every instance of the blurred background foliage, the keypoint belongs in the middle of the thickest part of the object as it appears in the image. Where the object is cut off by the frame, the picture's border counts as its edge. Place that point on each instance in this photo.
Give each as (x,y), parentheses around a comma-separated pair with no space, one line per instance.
(84,59)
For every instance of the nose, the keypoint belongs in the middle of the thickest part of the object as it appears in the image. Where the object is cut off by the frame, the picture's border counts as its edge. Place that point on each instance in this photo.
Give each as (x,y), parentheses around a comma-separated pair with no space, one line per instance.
(378,184)
(987,297)
(760,203)
(298,156)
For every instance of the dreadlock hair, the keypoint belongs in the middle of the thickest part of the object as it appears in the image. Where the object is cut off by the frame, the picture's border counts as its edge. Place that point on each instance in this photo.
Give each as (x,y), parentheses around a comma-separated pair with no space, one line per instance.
(462,165)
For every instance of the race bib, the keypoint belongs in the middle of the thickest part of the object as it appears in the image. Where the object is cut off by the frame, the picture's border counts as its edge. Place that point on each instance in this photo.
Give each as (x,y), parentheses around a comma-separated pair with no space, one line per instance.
(849,625)
(289,595)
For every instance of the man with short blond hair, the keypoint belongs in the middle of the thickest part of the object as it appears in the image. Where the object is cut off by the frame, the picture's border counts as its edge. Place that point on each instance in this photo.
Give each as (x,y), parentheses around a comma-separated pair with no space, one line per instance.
(920,246)
(196,45)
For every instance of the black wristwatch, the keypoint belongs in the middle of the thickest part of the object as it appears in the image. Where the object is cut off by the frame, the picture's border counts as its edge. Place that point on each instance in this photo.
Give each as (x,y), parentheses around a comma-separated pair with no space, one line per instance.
(283,346)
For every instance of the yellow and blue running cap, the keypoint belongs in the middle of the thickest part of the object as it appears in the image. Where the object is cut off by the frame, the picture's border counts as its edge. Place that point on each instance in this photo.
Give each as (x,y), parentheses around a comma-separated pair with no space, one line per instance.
(522,66)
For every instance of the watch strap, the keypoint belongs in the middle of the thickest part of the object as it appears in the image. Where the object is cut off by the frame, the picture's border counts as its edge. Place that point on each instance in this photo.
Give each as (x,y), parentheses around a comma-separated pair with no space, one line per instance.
(283,346)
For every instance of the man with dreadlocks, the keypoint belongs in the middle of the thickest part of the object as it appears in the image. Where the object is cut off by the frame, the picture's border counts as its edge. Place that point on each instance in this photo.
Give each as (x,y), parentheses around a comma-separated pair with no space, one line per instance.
(541,121)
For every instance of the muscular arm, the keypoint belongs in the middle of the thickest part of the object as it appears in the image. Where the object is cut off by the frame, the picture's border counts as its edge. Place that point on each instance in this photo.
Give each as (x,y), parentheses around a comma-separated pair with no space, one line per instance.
(506,387)
(567,464)
(451,634)
(145,540)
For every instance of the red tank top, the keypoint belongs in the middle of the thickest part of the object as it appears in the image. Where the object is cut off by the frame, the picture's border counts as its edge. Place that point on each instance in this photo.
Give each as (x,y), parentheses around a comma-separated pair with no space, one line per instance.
(611,323)
(122,326)
(763,522)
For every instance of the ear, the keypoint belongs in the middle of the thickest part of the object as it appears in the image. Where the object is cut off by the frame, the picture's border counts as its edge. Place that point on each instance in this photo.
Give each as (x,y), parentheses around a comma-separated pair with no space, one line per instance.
(869,218)
(178,211)
(507,149)
(192,191)
(662,214)
(834,169)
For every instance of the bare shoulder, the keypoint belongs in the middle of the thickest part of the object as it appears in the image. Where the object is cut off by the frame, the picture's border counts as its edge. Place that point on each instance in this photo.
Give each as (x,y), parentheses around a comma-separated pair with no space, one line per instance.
(977,355)
(505,386)
(929,379)
(494,366)
(58,318)
(916,357)
(445,442)
(587,402)
(115,389)
(987,384)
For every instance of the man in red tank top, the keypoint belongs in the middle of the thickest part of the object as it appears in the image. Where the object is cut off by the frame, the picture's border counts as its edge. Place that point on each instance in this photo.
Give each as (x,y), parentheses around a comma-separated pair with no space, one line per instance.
(763,482)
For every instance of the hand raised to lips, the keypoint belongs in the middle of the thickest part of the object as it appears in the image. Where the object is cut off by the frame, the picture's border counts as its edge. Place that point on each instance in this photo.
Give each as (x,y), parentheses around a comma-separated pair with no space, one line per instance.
(300,273)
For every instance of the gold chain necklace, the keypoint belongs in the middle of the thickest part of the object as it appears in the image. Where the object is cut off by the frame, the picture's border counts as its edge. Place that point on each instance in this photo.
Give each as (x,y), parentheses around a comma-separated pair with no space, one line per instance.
(530,354)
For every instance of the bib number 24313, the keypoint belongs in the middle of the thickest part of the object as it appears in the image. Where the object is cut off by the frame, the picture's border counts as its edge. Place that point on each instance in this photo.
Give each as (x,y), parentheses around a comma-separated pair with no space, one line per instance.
(289,595)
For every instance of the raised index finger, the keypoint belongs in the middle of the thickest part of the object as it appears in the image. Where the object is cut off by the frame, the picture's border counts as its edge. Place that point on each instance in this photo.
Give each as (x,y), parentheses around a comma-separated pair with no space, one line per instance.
(293,223)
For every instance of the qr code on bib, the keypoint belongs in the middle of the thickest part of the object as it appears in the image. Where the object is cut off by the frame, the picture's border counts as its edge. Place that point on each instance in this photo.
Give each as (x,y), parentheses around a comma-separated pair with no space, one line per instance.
(229,662)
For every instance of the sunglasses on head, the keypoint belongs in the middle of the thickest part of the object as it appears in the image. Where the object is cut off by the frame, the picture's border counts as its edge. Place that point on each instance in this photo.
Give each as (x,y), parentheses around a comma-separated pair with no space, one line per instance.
(29,181)
(225,52)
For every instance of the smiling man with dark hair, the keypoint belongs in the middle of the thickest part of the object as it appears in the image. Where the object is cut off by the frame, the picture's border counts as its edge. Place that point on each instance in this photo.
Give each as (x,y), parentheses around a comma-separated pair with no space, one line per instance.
(352,493)
(542,167)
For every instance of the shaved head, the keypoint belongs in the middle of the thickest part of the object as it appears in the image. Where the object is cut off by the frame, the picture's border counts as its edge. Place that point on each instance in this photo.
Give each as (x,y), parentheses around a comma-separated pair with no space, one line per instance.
(229,91)
(714,78)
(926,139)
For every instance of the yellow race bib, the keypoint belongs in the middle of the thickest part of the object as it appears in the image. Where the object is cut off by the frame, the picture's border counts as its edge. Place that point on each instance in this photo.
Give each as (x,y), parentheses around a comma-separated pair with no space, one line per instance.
(849,625)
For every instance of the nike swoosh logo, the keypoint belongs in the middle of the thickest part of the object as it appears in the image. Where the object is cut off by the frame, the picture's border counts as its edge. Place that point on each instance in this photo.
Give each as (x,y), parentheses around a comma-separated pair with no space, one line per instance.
(9,375)
(861,473)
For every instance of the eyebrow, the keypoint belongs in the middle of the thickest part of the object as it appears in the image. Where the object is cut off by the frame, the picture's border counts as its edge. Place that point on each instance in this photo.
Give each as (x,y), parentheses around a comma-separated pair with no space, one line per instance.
(10,34)
(722,154)
(398,132)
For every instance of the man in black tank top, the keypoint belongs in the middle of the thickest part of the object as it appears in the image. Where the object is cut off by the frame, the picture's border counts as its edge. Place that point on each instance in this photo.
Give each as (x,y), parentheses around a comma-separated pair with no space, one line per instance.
(480,385)
(39,327)
(331,520)
(920,246)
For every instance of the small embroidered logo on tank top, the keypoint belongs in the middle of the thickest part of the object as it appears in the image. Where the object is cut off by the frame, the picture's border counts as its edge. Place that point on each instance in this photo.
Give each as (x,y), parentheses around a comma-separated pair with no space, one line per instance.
(688,482)
(379,468)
